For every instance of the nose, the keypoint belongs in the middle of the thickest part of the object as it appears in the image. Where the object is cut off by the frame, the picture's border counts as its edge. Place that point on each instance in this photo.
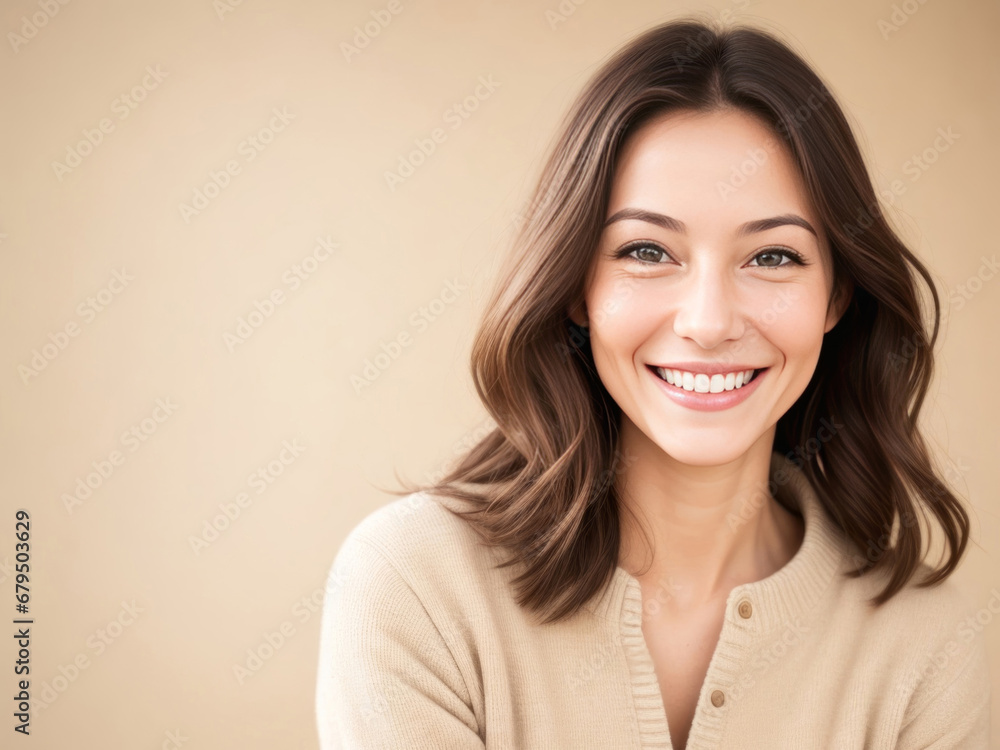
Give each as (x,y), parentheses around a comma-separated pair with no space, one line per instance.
(707,309)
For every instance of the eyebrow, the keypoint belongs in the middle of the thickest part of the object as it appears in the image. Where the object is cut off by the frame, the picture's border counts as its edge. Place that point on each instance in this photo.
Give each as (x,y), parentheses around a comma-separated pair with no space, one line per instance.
(676,225)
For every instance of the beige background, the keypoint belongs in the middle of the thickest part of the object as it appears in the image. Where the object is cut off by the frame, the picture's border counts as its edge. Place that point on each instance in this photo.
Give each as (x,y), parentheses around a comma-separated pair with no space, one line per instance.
(65,233)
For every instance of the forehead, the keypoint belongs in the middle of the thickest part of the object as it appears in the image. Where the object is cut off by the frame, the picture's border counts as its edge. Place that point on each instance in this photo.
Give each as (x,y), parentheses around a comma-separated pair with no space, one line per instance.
(708,169)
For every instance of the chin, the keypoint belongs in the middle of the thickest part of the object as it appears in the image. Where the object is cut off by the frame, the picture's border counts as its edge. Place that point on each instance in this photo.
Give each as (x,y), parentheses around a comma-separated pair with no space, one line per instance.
(703,452)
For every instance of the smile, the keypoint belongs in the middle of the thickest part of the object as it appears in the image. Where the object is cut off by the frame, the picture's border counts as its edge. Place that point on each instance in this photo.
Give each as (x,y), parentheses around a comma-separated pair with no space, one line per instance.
(703,383)
(703,392)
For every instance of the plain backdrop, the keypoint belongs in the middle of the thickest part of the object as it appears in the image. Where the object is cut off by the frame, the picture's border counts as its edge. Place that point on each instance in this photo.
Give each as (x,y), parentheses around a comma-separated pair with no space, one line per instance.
(202,256)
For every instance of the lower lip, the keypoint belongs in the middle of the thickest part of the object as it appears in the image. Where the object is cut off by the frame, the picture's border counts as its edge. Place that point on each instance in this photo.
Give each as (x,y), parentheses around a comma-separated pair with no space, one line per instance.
(709,401)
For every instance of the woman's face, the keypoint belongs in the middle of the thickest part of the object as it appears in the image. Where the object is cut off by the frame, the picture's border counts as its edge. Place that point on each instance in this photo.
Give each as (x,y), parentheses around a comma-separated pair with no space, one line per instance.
(707,267)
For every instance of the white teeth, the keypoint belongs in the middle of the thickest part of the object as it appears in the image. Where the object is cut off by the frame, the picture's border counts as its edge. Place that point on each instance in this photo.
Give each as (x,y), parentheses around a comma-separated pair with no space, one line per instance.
(702,383)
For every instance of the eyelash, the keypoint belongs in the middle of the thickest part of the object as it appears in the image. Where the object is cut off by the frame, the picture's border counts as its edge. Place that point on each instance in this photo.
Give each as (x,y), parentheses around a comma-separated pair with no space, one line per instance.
(794,257)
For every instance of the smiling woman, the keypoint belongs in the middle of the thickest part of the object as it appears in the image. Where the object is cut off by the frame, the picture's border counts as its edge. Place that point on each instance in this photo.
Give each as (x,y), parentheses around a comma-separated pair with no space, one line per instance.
(693,324)
(705,417)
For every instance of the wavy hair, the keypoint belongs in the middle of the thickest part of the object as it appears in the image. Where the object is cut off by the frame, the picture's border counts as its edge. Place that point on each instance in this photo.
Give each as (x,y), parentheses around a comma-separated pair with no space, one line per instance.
(540,485)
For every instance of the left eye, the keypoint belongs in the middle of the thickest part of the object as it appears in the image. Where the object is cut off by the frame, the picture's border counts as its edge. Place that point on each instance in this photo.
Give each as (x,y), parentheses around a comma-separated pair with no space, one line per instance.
(649,253)
(772,258)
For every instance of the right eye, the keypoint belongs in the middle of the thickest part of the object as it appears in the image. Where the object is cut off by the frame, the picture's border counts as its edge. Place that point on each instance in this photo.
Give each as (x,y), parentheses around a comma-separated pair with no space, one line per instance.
(644,252)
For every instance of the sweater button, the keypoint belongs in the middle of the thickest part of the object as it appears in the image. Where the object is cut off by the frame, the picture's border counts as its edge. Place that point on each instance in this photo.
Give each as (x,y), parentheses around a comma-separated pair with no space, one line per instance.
(745,609)
(718,698)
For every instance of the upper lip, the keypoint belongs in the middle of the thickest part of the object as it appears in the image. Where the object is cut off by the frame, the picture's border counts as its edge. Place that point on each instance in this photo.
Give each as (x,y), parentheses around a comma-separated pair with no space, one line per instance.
(708,368)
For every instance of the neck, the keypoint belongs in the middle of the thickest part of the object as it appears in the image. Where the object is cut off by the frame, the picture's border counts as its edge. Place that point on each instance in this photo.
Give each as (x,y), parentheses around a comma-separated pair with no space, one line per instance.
(711,527)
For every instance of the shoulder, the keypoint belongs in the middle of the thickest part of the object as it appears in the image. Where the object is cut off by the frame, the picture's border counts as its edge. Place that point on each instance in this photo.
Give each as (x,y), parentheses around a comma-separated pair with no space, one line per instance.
(934,636)
(935,611)
(392,658)
(419,541)
(944,675)
(415,530)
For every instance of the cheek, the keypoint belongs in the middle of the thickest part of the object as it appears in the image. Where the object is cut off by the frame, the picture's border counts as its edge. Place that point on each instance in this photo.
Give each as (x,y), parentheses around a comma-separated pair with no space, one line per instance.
(615,308)
(620,320)
(792,318)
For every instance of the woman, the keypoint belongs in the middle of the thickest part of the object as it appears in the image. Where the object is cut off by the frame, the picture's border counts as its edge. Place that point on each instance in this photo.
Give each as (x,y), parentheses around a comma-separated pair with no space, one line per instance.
(696,523)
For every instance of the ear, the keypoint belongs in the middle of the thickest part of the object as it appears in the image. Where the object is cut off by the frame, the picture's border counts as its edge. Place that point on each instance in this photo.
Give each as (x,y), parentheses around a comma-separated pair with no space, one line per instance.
(577,312)
(839,301)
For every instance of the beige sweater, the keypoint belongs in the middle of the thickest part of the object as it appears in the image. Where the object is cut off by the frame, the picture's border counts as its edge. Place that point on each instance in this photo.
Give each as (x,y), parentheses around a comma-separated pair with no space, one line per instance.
(423,646)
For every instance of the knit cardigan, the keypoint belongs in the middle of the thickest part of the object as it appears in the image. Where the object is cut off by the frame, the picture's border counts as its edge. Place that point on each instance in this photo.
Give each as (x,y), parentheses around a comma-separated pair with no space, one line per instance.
(423,646)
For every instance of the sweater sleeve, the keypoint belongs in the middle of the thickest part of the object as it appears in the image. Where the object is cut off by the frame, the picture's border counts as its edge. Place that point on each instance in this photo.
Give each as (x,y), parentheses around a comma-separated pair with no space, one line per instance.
(950,708)
(386,677)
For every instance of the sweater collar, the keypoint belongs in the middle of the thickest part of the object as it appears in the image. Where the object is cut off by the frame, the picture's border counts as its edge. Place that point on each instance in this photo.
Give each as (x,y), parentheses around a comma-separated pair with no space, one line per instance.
(788,593)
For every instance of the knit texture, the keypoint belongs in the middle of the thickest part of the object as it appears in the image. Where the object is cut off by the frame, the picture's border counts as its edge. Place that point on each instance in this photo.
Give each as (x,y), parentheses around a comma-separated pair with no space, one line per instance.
(423,646)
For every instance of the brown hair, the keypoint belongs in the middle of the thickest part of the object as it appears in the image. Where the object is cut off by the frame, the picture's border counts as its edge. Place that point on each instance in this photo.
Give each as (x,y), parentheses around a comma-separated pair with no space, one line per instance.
(540,484)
